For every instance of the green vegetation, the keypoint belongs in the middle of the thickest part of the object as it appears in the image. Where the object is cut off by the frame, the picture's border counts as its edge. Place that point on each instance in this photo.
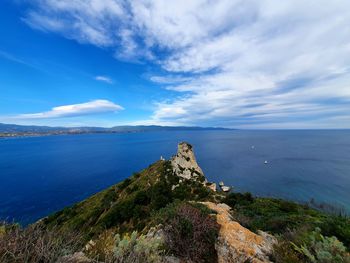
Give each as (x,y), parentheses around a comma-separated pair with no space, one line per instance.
(36,244)
(317,248)
(305,234)
(190,231)
(134,248)
(128,206)
(189,234)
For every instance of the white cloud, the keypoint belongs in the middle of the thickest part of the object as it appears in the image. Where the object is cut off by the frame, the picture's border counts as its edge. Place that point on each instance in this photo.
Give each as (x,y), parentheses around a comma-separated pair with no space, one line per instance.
(81,109)
(239,63)
(104,79)
(169,79)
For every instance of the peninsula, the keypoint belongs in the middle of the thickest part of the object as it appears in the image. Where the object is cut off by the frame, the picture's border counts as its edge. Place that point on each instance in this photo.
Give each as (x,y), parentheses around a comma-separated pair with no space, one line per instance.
(170,212)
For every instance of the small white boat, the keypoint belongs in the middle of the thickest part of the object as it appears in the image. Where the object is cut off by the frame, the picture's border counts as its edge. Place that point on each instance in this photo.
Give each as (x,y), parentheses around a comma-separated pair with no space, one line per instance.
(253,147)
(266,162)
(221,183)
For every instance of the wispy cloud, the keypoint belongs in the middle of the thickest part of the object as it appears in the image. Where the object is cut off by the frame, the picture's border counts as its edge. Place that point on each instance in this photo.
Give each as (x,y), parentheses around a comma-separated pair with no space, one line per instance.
(15,59)
(104,79)
(169,79)
(247,63)
(73,110)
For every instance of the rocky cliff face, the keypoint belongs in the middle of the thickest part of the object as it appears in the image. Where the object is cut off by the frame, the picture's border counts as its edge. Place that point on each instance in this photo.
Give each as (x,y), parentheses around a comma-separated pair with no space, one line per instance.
(184,162)
(185,165)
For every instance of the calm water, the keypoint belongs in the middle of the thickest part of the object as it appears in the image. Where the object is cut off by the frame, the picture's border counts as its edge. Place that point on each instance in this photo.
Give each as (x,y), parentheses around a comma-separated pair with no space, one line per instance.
(40,175)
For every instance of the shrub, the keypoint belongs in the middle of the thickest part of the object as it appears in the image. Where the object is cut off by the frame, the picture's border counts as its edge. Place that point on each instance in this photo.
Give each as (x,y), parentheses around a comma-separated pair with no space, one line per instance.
(190,233)
(304,245)
(234,199)
(284,253)
(35,244)
(136,175)
(338,226)
(130,249)
(318,248)
(110,197)
(160,194)
(124,184)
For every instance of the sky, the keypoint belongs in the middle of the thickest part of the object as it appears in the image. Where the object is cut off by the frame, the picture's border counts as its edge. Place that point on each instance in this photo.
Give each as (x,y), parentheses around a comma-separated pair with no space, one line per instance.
(250,64)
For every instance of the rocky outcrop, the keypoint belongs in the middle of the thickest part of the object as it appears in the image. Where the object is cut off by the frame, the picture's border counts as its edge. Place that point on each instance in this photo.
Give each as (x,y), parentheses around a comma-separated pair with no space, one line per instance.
(237,244)
(184,162)
(212,186)
(224,188)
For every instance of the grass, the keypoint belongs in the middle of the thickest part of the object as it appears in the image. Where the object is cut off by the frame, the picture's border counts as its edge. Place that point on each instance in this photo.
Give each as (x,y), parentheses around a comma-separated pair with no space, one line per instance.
(128,206)
(36,244)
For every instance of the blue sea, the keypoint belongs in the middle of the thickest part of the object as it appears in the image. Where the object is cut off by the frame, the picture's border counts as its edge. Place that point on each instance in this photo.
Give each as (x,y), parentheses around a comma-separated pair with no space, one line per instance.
(40,175)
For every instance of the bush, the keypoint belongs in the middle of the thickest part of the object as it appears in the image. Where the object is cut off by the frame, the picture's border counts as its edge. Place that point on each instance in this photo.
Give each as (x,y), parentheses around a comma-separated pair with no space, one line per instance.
(234,199)
(284,253)
(160,194)
(136,175)
(132,248)
(190,233)
(124,184)
(305,245)
(35,244)
(318,248)
(338,226)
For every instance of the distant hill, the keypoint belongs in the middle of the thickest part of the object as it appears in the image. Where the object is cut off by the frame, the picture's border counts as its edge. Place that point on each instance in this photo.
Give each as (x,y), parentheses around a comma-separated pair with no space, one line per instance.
(13,129)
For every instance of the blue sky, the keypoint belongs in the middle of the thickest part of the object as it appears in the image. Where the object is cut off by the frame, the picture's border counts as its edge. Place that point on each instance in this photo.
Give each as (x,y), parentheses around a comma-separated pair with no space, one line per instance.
(240,64)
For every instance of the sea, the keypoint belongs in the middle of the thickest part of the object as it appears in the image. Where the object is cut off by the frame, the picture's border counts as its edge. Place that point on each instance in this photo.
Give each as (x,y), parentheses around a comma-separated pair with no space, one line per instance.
(41,175)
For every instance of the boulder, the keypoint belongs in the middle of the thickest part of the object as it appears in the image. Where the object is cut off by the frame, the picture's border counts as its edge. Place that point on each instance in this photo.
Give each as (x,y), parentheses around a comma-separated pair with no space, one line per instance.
(225,188)
(212,186)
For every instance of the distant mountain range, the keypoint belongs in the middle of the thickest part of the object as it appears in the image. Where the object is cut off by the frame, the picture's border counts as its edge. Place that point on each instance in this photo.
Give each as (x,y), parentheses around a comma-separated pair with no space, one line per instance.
(17,130)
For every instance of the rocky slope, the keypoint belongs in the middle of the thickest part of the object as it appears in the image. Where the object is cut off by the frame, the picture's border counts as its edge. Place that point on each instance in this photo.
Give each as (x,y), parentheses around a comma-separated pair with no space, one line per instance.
(236,243)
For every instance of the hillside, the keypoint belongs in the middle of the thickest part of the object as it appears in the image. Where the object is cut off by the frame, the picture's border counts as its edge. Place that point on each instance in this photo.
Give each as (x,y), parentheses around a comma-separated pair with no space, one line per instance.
(169,212)
(128,205)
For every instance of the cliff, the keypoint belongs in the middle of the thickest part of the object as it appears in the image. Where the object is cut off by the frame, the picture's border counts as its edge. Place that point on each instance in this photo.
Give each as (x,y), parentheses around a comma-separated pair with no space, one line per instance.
(184,163)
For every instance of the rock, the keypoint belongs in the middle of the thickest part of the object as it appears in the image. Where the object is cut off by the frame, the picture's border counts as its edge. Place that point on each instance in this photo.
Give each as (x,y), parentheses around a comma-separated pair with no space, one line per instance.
(186,167)
(236,243)
(173,187)
(89,245)
(78,257)
(212,186)
(184,162)
(225,188)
